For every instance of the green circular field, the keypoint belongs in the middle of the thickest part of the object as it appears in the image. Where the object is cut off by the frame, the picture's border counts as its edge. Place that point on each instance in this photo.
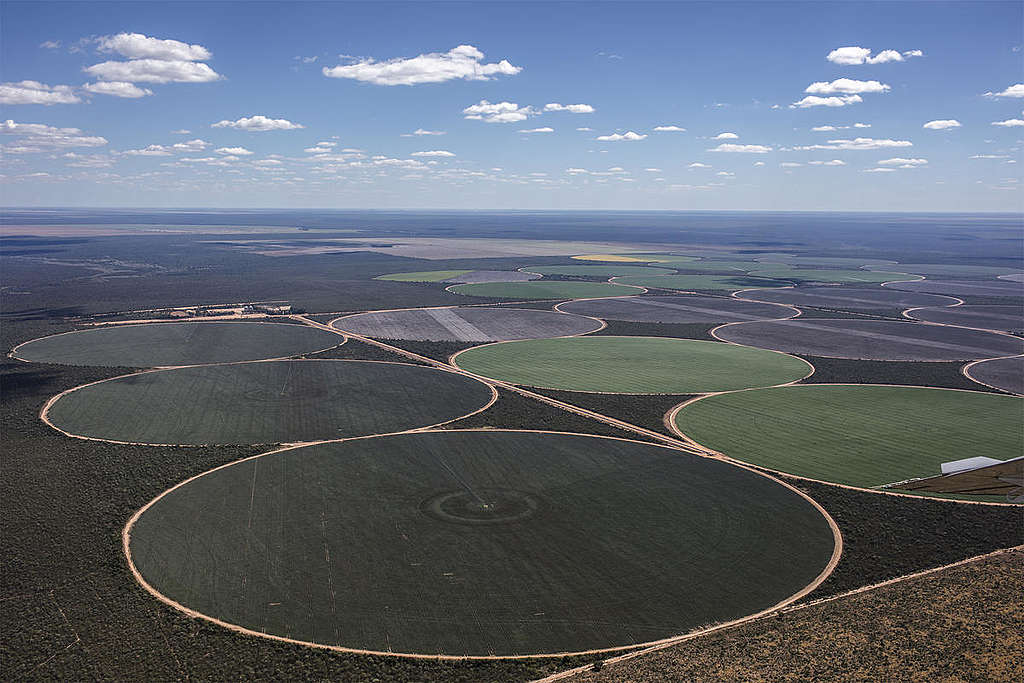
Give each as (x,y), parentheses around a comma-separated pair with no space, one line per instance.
(631,365)
(837,276)
(691,283)
(553,289)
(168,344)
(854,434)
(479,543)
(266,402)
(610,270)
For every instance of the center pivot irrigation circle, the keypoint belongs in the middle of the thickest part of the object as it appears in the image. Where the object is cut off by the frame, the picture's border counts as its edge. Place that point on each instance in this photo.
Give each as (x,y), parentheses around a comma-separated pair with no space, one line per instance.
(266,402)
(479,543)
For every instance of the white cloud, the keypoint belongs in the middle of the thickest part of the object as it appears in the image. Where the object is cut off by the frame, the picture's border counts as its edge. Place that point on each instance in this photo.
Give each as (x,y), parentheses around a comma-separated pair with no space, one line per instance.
(149,151)
(669,129)
(942,124)
(1016,90)
(498,112)
(258,123)
(860,125)
(34,92)
(38,137)
(267,162)
(815,101)
(545,129)
(758,163)
(584,129)
(573,108)
(833,162)
(725,174)
(50,44)
(433,153)
(858,144)
(1009,123)
(746,149)
(628,136)
(846,86)
(653,170)
(233,151)
(879,170)
(990,156)
(421,131)
(153,71)
(139,46)
(726,136)
(196,145)
(790,164)
(181,131)
(117,89)
(697,164)
(462,62)
(832,129)
(903,163)
(851,56)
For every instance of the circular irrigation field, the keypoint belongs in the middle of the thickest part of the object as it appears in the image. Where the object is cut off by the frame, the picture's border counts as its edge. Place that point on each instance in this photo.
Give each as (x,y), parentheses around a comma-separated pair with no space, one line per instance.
(690,283)
(466,324)
(860,435)
(871,339)
(1002,318)
(604,271)
(967,288)
(266,402)
(478,543)
(168,344)
(867,300)
(631,365)
(676,309)
(1002,373)
(547,289)
(860,277)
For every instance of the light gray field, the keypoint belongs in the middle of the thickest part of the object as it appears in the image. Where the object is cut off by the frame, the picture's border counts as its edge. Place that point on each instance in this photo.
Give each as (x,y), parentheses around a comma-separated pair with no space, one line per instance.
(1000,318)
(466,324)
(872,340)
(1003,373)
(856,299)
(492,276)
(677,309)
(963,287)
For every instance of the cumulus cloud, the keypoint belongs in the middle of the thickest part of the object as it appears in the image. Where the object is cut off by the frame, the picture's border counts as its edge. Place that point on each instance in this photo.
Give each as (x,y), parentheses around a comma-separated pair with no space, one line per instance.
(745,149)
(1009,123)
(846,86)
(585,129)
(464,61)
(900,162)
(573,108)
(498,112)
(790,164)
(34,92)
(258,124)
(233,151)
(697,164)
(990,156)
(38,137)
(117,89)
(726,136)
(50,44)
(628,136)
(725,174)
(1016,90)
(669,129)
(153,71)
(537,130)
(181,131)
(816,101)
(942,124)
(196,145)
(854,55)
(139,46)
(421,131)
(858,144)
(149,151)
(832,129)
(879,170)
(833,162)
(433,153)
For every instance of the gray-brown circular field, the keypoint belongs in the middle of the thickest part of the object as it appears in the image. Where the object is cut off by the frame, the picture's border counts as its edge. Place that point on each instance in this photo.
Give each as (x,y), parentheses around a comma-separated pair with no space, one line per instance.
(266,402)
(963,288)
(466,324)
(479,543)
(676,309)
(856,299)
(871,339)
(1000,318)
(1002,373)
(167,344)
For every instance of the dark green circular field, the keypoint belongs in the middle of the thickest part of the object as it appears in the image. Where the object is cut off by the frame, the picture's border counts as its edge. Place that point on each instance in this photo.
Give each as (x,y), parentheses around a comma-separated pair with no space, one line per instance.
(632,365)
(479,543)
(544,289)
(266,402)
(168,344)
(860,435)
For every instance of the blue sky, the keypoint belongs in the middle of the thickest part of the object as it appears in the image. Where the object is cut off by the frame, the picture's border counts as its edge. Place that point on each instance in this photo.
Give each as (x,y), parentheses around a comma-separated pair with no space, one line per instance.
(320,103)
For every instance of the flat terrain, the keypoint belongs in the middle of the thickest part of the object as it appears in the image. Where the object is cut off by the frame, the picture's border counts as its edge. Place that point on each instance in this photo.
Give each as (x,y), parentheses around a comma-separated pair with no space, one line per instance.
(863,300)
(271,402)
(466,324)
(631,365)
(1003,373)
(858,435)
(706,266)
(828,261)
(480,543)
(459,276)
(164,344)
(872,339)
(961,624)
(677,309)
(955,270)
(837,276)
(633,258)
(422,276)
(689,283)
(597,271)
(554,289)
(985,288)
(1001,318)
